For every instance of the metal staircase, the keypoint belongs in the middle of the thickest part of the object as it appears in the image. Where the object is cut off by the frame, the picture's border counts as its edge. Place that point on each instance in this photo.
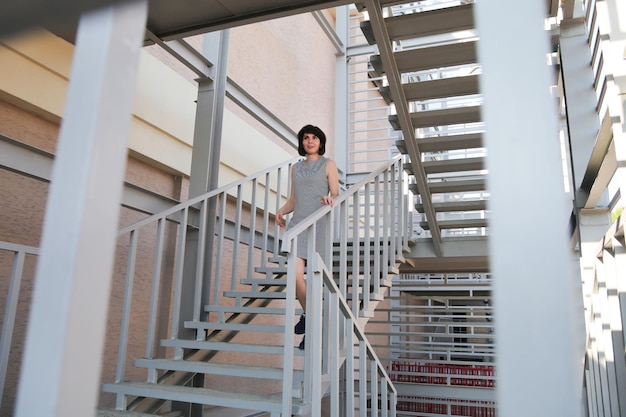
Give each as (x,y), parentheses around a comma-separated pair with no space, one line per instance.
(430,75)
(234,349)
(435,334)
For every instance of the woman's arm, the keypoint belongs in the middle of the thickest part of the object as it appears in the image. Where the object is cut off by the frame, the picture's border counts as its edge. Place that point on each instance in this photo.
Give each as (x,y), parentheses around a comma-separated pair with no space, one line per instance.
(333,183)
(289,205)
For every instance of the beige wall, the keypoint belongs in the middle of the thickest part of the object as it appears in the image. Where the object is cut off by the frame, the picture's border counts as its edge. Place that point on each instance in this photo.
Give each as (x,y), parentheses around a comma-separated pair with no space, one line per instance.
(287,64)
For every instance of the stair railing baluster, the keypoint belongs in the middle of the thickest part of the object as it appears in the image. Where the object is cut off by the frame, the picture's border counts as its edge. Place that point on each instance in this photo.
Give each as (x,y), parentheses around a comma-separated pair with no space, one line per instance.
(354,288)
(155,288)
(315,345)
(373,387)
(221,226)
(400,216)
(378,274)
(402,213)
(394,215)
(19,253)
(330,234)
(384,400)
(200,255)
(327,308)
(386,222)
(266,219)
(126,306)
(178,278)
(237,239)
(366,248)
(251,240)
(350,368)
(334,324)
(408,212)
(343,245)
(277,205)
(291,247)
(362,377)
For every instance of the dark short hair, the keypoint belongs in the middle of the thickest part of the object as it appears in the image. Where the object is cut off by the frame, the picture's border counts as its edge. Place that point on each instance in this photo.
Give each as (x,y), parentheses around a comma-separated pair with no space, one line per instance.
(317,132)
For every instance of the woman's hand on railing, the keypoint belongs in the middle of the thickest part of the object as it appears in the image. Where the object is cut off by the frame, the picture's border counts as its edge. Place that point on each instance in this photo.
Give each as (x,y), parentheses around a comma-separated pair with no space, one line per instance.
(328,201)
(280,219)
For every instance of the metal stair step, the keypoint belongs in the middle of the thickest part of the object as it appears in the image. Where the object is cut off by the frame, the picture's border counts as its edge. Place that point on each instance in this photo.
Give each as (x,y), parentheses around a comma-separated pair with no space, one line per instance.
(276,295)
(102,412)
(255,294)
(440,117)
(239,327)
(421,59)
(227,346)
(458,224)
(216,368)
(246,310)
(453,165)
(279,259)
(444,143)
(283,282)
(463,205)
(271,404)
(269,281)
(454,186)
(264,281)
(436,89)
(428,23)
(271,269)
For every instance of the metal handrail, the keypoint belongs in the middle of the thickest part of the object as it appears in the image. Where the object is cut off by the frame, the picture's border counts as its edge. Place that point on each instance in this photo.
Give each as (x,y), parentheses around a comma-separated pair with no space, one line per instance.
(343,343)
(188,217)
(370,218)
(330,340)
(12,298)
(192,202)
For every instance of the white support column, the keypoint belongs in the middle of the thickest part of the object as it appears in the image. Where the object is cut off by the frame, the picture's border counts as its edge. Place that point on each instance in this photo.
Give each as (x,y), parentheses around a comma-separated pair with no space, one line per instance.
(60,373)
(582,118)
(533,295)
(342,81)
(612,328)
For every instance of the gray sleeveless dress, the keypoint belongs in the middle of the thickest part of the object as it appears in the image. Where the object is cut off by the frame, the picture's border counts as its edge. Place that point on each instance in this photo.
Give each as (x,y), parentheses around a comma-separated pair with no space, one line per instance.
(310,185)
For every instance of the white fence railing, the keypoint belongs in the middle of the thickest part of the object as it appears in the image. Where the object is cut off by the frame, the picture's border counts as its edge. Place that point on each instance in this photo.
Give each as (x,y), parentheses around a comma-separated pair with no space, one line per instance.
(17,255)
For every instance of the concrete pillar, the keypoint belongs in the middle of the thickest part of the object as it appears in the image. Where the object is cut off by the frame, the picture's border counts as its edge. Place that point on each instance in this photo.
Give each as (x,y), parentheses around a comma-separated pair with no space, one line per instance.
(534,298)
(62,360)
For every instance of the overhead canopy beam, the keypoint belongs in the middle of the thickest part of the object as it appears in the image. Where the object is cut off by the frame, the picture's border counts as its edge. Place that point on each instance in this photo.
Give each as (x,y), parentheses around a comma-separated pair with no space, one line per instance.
(21,15)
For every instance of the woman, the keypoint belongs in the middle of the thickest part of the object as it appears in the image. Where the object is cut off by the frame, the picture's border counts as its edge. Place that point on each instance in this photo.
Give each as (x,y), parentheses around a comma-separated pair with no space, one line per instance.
(314,182)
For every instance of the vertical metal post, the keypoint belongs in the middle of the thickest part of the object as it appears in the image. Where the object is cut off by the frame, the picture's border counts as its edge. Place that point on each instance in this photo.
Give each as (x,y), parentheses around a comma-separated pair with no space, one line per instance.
(341,91)
(204,171)
(612,329)
(535,350)
(73,277)
(366,247)
(8,319)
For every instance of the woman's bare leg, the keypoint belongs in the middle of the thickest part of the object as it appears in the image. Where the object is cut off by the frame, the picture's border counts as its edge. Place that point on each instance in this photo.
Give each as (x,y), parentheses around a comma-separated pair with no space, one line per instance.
(300,283)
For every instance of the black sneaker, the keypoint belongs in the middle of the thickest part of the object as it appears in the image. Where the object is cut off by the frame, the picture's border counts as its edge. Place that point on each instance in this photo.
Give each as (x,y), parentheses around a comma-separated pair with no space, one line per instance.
(301,345)
(300,326)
